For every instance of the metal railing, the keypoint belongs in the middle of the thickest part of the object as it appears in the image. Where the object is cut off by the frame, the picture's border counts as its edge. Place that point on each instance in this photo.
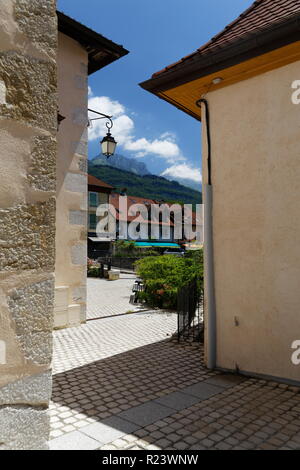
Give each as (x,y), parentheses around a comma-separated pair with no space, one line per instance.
(94,254)
(190,312)
(138,286)
(118,262)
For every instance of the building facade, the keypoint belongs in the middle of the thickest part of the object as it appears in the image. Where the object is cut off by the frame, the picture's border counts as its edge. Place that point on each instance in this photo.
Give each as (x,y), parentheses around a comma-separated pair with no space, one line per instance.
(136,220)
(81,52)
(98,194)
(240,85)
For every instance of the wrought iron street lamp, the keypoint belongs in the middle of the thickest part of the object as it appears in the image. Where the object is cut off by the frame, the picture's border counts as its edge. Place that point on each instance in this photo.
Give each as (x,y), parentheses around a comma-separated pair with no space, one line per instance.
(108,143)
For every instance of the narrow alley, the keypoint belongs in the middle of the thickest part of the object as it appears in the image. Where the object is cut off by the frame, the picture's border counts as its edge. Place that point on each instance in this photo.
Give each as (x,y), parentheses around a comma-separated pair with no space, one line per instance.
(120,382)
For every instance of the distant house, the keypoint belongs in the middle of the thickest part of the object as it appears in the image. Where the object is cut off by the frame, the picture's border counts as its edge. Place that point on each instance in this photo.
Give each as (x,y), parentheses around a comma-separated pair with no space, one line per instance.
(152,225)
(98,193)
(161,230)
(133,218)
(244,87)
(193,236)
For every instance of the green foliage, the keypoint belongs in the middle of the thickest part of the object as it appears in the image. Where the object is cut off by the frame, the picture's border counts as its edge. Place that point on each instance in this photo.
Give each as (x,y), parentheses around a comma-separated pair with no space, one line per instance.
(164,275)
(127,249)
(93,271)
(124,248)
(197,257)
(148,186)
(147,253)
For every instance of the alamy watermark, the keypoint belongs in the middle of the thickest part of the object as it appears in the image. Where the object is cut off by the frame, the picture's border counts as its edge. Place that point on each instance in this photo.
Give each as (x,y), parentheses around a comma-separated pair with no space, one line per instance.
(295,97)
(296,354)
(2,352)
(150,221)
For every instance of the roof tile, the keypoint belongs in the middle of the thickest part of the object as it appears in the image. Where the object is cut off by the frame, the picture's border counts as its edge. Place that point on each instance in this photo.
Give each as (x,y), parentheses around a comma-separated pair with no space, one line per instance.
(93,181)
(260,15)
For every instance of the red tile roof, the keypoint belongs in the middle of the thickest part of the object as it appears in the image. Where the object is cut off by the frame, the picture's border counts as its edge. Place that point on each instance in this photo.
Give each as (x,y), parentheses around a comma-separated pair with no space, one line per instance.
(133,199)
(114,199)
(259,16)
(93,181)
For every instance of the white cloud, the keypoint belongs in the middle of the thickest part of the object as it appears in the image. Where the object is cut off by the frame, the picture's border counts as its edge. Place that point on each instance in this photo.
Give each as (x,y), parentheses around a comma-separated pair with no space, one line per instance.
(162,148)
(105,105)
(169,135)
(123,124)
(123,130)
(183,170)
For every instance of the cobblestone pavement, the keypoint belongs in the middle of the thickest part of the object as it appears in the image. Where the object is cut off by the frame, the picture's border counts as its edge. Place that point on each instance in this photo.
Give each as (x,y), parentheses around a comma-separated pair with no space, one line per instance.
(106,298)
(120,383)
(108,337)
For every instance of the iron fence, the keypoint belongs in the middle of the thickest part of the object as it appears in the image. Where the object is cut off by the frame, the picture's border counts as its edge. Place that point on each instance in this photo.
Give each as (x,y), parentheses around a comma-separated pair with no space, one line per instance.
(94,254)
(190,312)
(118,262)
(138,286)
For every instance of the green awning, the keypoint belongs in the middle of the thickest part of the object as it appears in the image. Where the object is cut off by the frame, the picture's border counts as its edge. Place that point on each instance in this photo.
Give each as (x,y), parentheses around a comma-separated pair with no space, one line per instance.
(157,245)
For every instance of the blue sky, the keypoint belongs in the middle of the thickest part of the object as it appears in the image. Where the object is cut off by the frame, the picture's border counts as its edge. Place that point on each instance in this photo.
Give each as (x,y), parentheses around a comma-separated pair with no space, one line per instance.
(156,33)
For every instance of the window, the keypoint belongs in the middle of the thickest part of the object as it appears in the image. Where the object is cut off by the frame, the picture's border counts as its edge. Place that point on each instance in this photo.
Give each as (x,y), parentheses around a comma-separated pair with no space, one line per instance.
(103,198)
(92,221)
(93,199)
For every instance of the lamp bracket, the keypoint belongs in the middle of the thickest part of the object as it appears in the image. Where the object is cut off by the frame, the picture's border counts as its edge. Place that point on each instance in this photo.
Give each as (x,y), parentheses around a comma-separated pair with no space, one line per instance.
(109,124)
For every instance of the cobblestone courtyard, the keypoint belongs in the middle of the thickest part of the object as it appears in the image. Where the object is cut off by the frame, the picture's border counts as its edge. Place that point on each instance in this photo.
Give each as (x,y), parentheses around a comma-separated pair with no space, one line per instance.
(107,298)
(120,383)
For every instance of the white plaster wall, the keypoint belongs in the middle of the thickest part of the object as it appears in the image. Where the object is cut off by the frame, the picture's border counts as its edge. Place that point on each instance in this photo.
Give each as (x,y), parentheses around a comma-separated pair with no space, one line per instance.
(256,222)
(71,228)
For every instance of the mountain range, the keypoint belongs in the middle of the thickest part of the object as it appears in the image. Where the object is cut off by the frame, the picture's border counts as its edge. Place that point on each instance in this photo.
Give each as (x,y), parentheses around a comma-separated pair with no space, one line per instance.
(138,168)
(122,163)
(145,185)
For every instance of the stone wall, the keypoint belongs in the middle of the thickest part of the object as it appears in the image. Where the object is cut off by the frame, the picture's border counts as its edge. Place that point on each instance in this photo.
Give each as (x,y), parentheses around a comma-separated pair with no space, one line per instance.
(71,226)
(28,113)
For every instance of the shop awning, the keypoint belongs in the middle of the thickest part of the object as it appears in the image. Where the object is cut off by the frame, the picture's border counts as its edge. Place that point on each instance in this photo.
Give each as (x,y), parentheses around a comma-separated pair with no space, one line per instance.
(100,239)
(157,245)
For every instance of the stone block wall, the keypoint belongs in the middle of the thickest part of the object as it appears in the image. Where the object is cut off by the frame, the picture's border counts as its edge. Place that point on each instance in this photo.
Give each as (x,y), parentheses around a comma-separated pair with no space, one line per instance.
(28,126)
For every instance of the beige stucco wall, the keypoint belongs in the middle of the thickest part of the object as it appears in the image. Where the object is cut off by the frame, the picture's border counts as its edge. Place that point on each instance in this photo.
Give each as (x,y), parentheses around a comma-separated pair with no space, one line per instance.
(71,224)
(256,222)
(28,120)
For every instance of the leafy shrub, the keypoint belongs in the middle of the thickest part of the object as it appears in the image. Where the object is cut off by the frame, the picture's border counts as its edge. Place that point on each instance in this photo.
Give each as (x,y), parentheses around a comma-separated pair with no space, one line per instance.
(144,253)
(124,248)
(197,257)
(94,271)
(128,249)
(164,275)
(93,268)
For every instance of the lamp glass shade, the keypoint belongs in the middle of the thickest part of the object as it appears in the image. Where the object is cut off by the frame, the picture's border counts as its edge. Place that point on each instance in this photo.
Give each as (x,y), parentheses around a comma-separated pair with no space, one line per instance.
(108,145)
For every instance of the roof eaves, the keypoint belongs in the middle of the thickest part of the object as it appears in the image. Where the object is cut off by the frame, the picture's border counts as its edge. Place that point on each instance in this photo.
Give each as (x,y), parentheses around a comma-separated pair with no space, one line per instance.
(199,64)
(211,41)
(92,41)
